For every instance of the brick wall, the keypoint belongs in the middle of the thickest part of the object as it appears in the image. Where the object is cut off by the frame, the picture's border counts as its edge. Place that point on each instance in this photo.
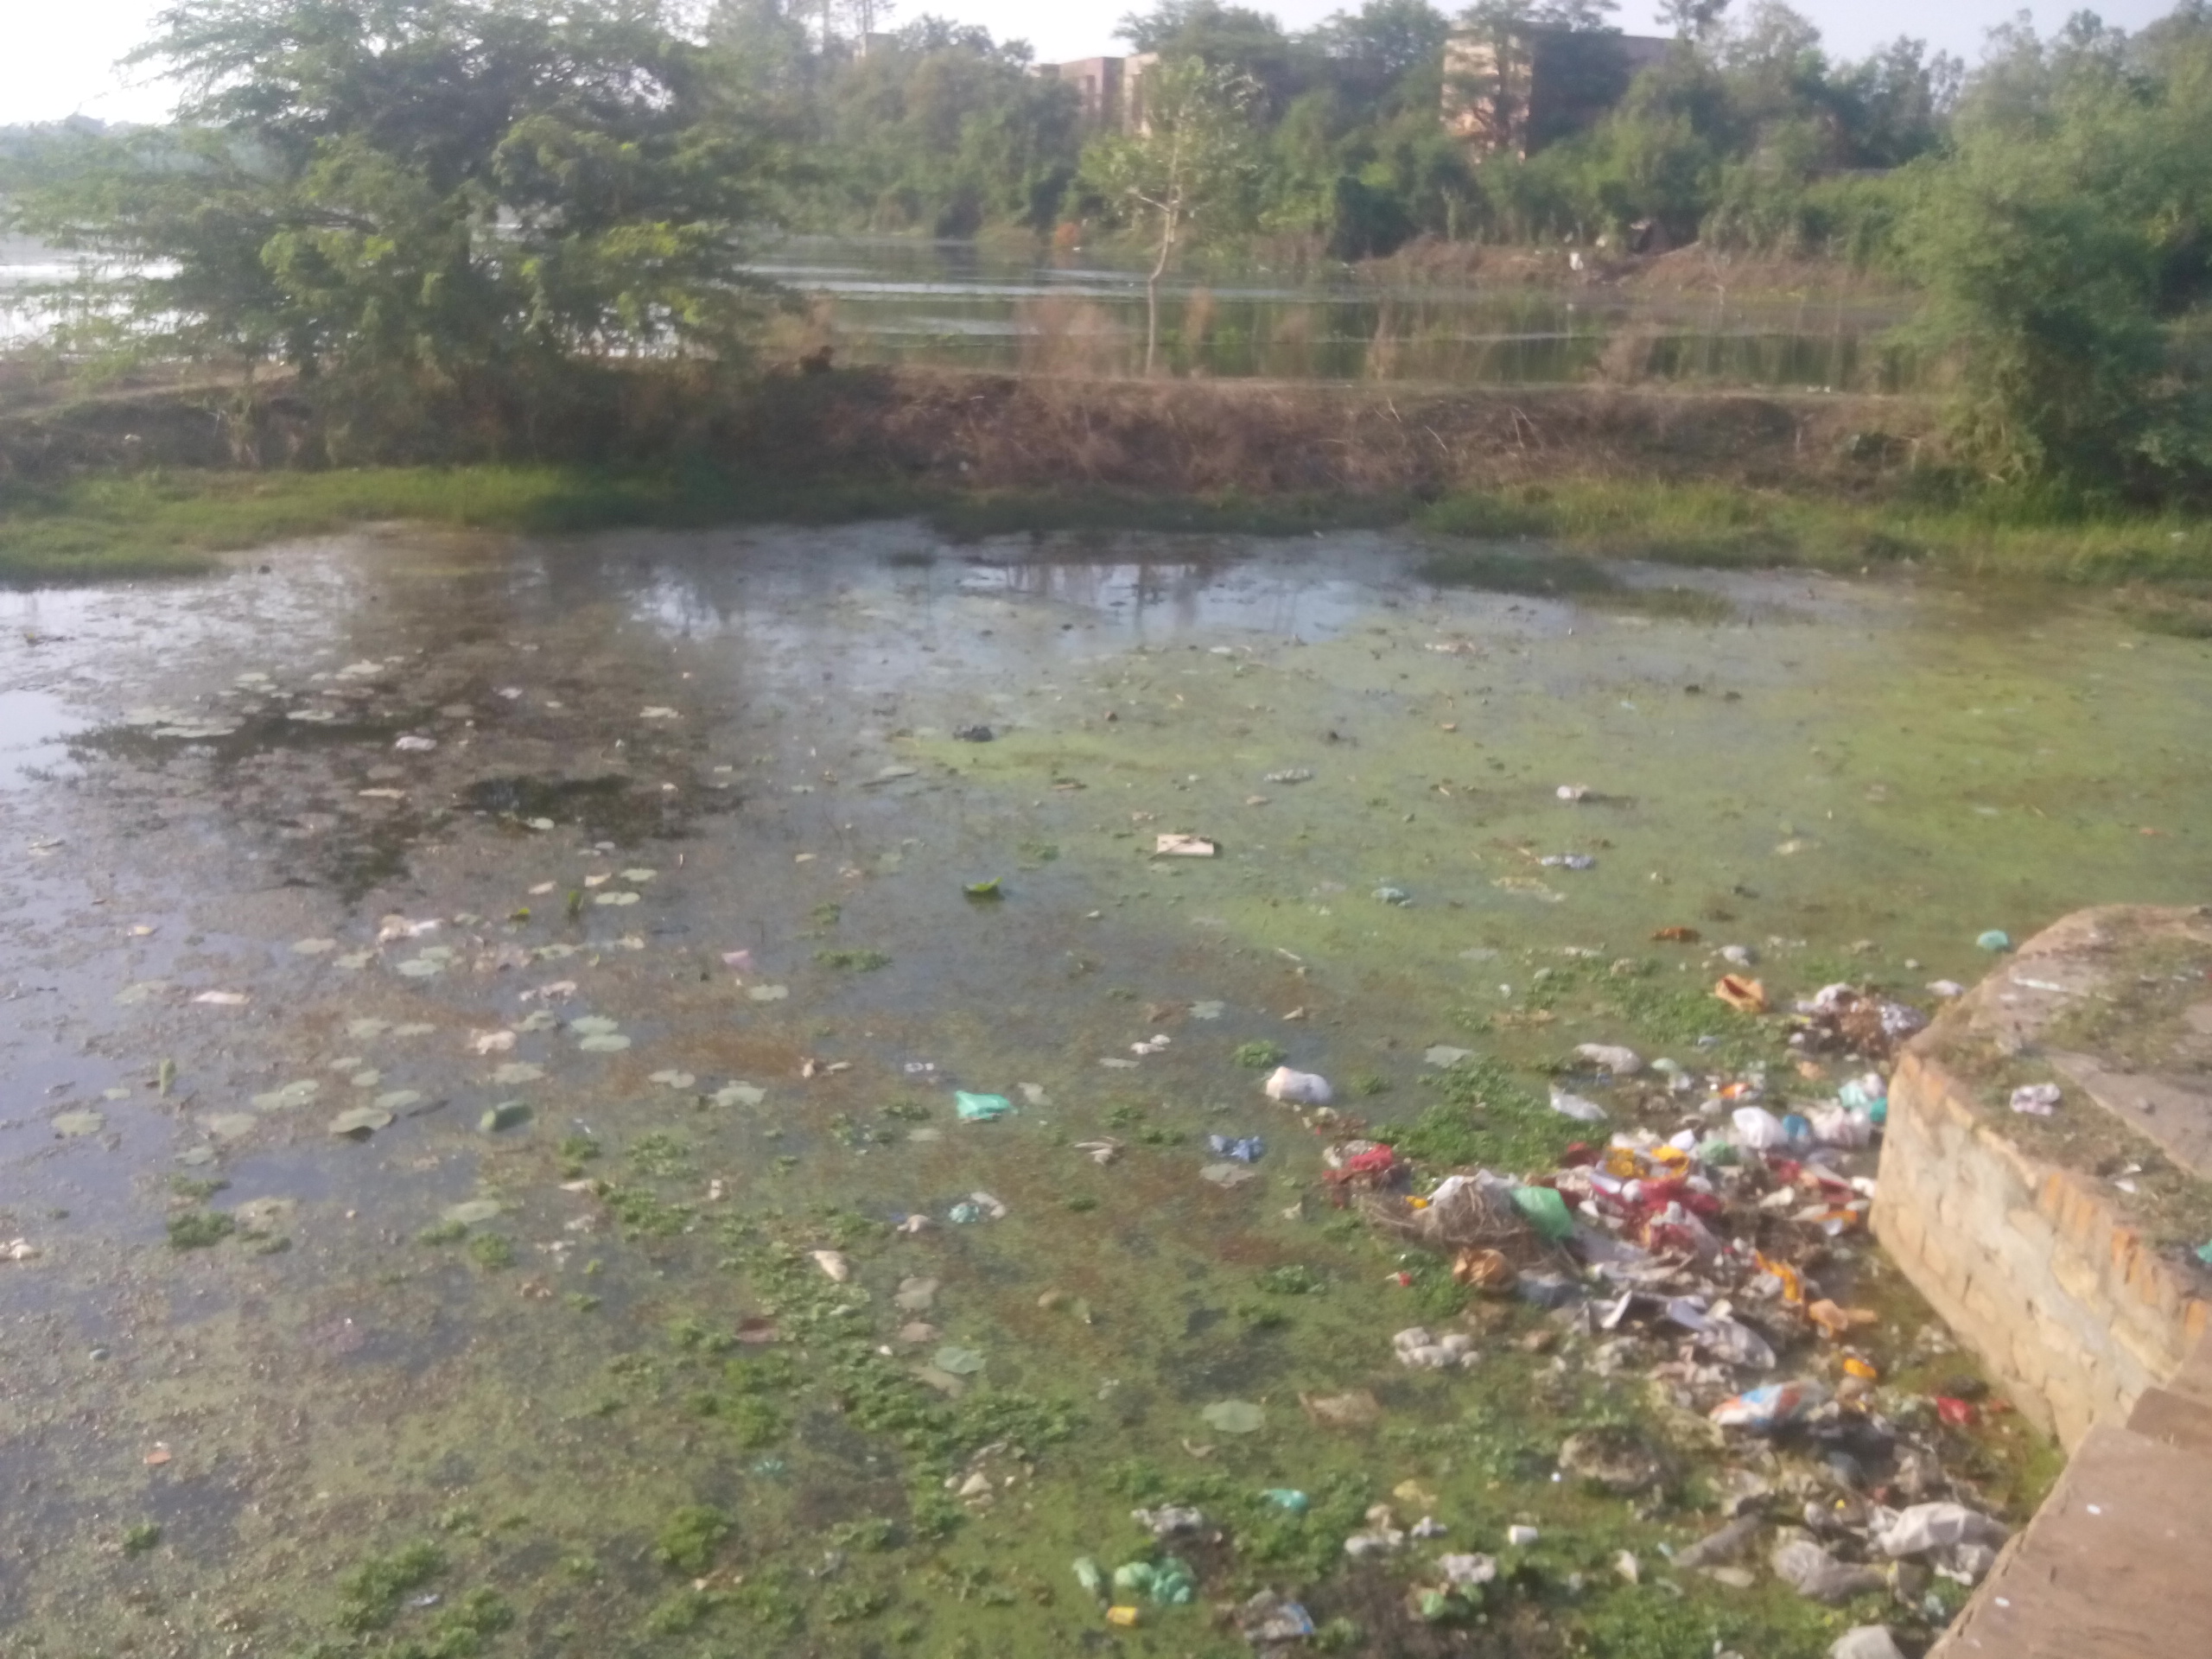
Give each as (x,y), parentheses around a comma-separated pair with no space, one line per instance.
(2029,1264)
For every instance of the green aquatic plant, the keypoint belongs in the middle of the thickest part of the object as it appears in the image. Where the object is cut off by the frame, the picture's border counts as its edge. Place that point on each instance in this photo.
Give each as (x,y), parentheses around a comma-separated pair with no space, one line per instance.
(199,1230)
(689,1538)
(369,1596)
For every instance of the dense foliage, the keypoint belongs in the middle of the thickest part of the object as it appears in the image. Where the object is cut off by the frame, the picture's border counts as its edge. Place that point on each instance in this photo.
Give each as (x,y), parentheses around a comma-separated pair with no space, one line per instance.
(1748,131)
(476,200)
(399,198)
(2066,250)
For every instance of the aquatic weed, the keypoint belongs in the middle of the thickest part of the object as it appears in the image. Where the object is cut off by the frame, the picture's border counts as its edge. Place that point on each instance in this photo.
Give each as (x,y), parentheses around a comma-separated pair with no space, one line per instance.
(1261,1056)
(687,1543)
(493,1251)
(137,1540)
(856,962)
(199,1230)
(369,1595)
(1487,1117)
(662,1155)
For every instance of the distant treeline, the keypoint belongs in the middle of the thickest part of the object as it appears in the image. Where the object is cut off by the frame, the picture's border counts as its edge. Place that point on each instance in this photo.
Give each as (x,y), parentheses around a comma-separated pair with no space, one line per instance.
(450,214)
(1748,132)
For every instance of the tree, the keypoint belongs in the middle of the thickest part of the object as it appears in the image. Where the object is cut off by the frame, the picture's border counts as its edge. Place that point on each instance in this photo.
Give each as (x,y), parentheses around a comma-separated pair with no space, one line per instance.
(420,202)
(1390,37)
(2059,248)
(1234,39)
(1191,163)
(1693,20)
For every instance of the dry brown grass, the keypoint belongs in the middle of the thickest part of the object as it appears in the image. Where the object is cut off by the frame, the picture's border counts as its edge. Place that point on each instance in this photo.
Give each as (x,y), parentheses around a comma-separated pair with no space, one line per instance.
(1251,438)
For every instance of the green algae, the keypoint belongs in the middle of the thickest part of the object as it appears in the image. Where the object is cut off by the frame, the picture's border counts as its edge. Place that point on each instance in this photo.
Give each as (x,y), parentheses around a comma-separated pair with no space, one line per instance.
(792,1441)
(200,1229)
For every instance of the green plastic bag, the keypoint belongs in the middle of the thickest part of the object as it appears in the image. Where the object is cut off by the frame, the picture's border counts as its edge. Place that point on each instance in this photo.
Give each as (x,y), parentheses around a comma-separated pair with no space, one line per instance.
(980,1108)
(1546,1212)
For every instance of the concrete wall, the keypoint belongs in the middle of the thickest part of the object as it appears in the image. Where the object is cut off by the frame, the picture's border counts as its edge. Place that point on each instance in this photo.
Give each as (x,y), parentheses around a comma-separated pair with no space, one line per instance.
(2029,1264)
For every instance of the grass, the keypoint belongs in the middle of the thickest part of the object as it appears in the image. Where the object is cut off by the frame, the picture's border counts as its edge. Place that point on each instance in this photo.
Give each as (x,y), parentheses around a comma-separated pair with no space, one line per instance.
(2164,560)
(1538,538)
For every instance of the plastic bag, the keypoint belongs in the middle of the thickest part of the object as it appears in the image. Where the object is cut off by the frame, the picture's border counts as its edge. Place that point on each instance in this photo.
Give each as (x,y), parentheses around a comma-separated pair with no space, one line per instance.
(1776,1406)
(1574,1106)
(1298,1088)
(1867,1641)
(980,1109)
(1932,1526)
(1838,1125)
(1813,1572)
(1758,1129)
(1546,1212)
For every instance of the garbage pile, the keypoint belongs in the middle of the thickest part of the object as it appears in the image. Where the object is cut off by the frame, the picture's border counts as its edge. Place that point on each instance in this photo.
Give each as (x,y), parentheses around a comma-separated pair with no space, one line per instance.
(1715,1262)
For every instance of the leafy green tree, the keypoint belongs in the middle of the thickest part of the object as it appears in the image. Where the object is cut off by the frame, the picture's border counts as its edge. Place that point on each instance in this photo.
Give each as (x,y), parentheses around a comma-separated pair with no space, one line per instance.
(938,127)
(421,204)
(1186,172)
(2061,246)
(1233,39)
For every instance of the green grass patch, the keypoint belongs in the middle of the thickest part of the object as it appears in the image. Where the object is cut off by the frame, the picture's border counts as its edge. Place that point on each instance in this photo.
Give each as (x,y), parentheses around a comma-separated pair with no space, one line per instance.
(199,1230)
(1963,531)
(1486,1116)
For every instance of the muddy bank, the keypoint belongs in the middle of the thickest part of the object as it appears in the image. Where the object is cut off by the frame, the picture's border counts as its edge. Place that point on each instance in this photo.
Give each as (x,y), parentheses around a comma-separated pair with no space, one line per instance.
(1191,437)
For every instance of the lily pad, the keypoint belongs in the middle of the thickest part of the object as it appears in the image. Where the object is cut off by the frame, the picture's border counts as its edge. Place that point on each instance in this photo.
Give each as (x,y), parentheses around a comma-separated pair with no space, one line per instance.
(302,1093)
(617,896)
(1235,1417)
(470,1211)
(740,1094)
(73,1125)
(515,1071)
(414,1028)
(640,876)
(507,1115)
(399,1100)
(314,947)
(769,992)
(605,1042)
(539,1019)
(354,959)
(422,968)
(959,1361)
(230,1125)
(673,1080)
(196,1157)
(144,991)
(367,1078)
(361,1121)
(594,1025)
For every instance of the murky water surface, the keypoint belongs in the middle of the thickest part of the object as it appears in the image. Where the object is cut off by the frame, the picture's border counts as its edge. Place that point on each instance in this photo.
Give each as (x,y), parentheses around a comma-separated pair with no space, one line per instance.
(612,895)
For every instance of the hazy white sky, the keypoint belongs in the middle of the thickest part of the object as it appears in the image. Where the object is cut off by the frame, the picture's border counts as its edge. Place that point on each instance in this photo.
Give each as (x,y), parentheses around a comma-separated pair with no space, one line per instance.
(57,58)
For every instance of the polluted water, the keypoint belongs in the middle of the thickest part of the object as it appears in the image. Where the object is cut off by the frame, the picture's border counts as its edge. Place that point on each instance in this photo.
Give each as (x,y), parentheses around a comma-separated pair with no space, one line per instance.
(524,1136)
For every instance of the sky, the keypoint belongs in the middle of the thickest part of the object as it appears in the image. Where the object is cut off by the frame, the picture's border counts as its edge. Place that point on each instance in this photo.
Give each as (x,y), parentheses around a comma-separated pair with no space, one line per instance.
(60,59)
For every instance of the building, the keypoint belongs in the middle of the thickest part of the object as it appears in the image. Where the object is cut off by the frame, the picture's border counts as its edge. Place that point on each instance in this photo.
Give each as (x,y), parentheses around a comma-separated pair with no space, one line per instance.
(1526,88)
(1109,91)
